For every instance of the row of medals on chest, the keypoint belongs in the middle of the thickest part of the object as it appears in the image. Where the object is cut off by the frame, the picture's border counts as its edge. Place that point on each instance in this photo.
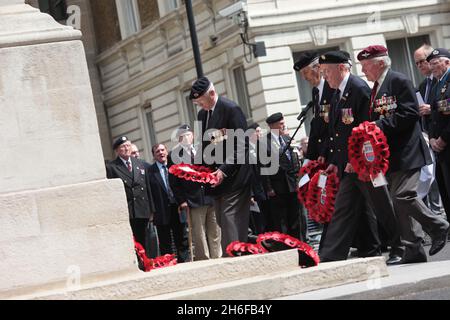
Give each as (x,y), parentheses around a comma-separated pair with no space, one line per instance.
(383,106)
(444,104)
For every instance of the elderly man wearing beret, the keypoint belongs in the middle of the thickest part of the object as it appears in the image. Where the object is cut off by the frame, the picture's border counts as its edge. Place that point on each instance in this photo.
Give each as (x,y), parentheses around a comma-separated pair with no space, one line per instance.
(219,117)
(439,60)
(357,202)
(394,109)
(309,68)
(132,172)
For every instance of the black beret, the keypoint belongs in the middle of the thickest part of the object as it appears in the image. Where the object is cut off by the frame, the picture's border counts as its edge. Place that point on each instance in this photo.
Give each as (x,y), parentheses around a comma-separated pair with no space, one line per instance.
(274,118)
(200,86)
(119,141)
(305,59)
(335,57)
(437,53)
(183,129)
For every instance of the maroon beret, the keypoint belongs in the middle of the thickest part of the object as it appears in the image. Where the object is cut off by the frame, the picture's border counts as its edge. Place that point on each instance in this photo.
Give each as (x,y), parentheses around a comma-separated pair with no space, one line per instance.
(372,52)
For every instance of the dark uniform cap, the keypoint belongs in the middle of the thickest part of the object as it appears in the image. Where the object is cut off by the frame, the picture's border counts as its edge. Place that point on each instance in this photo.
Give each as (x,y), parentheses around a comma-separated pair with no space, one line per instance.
(372,52)
(119,142)
(274,118)
(335,57)
(305,59)
(200,86)
(437,53)
(183,129)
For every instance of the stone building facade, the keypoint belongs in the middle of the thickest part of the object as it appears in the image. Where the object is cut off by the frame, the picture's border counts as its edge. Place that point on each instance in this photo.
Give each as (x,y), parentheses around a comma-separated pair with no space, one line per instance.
(144,62)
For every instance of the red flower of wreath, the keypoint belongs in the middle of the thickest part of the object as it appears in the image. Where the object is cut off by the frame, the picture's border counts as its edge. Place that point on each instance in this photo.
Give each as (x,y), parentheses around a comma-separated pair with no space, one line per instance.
(146,264)
(275,241)
(310,169)
(368,151)
(192,172)
(320,202)
(237,249)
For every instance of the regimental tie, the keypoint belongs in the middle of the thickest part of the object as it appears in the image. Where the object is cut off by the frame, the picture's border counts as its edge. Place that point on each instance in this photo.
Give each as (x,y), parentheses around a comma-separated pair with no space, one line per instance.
(428,89)
(372,97)
(316,102)
(130,168)
(209,115)
(283,146)
(166,180)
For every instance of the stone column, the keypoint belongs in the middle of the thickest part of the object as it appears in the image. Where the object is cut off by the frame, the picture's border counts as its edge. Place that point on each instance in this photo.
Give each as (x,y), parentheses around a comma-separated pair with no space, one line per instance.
(61,221)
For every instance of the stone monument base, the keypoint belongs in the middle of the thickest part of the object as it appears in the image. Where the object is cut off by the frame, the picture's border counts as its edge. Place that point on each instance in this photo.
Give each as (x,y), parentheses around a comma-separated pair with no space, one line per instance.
(64,236)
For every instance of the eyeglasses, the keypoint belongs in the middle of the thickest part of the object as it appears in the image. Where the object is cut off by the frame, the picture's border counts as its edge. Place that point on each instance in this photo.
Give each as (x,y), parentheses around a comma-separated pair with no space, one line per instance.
(418,63)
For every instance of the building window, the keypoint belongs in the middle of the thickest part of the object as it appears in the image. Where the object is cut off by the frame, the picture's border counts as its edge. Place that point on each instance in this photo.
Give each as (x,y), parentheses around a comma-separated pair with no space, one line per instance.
(150,126)
(56,8)
(129,21)
(190,110)
(401,52)
(167,6)
(241,92)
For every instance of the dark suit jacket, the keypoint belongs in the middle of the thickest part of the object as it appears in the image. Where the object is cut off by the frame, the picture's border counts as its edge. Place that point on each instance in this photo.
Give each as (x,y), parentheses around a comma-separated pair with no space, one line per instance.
(160,196)
(137,187)
(284,181)
(318,135)
(402,128)
(227,115)
(440,126)
(188,191)
(426,119)
(356,96)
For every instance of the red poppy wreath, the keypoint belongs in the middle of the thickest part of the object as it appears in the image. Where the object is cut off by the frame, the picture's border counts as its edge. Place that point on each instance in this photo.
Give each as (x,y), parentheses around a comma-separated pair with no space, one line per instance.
(310,169)
(194,173)
(320,201)
(275,241)
(237,249)
(368,151)
(147,264)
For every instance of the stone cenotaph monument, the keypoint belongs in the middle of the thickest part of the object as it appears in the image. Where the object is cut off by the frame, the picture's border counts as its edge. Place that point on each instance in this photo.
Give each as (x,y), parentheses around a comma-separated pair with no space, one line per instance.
(62,223)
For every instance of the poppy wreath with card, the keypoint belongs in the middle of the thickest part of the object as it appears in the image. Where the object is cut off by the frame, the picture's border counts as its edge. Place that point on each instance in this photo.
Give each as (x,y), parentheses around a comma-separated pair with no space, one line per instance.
(194,173)
(237,249)
(368,151)
(320,201)
(276,241)
(310,169)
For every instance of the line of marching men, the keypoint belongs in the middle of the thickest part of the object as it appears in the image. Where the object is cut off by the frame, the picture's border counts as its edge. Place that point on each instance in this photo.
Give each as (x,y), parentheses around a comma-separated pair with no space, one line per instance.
(392,203)
(161,205)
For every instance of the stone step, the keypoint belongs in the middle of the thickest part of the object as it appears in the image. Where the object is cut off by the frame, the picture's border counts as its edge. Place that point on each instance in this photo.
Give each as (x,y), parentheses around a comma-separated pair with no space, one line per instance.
(193,275)
(285,283)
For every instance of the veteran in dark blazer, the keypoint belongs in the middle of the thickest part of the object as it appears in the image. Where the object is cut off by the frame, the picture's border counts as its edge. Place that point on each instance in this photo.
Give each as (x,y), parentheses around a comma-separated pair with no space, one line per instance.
(357,202)
(232,191)
(285,215)
(138,191)
(440,124)
(309,68)
(167,218)
(394,108)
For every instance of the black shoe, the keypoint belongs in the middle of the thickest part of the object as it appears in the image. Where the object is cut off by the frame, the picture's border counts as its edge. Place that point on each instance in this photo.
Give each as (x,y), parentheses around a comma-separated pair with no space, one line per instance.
(394,260)
(438,243)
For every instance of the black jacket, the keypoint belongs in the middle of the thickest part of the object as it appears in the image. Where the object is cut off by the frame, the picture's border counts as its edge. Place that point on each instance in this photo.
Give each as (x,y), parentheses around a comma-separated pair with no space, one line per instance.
(284,181)
(137,187)
(160,196)
(426,119)
(318,135)
(227,115)
(401,125)
(440,125)
(356,97)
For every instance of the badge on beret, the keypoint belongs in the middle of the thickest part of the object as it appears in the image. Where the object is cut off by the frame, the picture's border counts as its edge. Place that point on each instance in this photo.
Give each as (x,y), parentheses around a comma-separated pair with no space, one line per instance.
(323,57)
(436,52)
(196,95)
(365,54)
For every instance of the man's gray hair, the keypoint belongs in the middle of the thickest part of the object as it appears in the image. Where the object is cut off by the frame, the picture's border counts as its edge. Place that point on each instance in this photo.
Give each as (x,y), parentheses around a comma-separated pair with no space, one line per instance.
(426,48)
(386,60)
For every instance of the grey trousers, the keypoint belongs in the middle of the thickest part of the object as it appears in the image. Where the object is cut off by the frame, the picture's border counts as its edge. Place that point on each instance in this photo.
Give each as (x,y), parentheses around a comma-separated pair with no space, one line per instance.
(354,199)
(403,186)
(232,212)
(443,180)
(205,233)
